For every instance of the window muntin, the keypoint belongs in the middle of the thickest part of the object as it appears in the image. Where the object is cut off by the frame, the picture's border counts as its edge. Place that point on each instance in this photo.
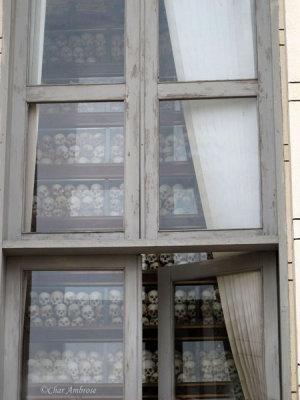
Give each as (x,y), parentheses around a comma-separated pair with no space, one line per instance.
(78,180)
(77,42)
(205,40)
(73,334)
(209,164)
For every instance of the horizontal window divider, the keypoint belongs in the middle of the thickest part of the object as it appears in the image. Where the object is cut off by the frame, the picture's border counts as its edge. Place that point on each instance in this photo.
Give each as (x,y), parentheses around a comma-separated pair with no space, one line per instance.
(207,89)
(166,245)
(75,93)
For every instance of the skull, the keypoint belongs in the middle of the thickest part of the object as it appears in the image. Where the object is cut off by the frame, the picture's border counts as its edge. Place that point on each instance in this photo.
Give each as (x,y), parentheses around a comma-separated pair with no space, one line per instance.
(148,369)
(42,191)
(55,355)
(61,40)
(34,311)
(191,296)
(118,370)
(57,297)
(82,299)
(46,365)
(73,311)
(59,366)
(85,367)
(87,312)
(165,191)
(147,355)
(231,369)
(96,189)
(59,139)
(93,356)
(180,312)
(115,296)
(87,151)
(166,258)
(44,298)
(152,258)
(64,321)
(145,321)
(73,369)
(69,190)
(67,356)
(46,143)
(71,139)
(206,367)
(74,205)
(218,312)
(155,265)
(78,55)
(37,322)
(77,321)
(82,190)
(117,321)
(181,378)
(39,355)
(153,296)
(69,298)
(61,310)
(145,310)
(48,205)
(187,356)
(191,311)
(74,151)
(33,365)
(47,311)
(114,310)
(97,367)
(33,297)
(180,296)
(153,310)
(207,295)
(57,190)
(81,356)
(189,368)
(98,139)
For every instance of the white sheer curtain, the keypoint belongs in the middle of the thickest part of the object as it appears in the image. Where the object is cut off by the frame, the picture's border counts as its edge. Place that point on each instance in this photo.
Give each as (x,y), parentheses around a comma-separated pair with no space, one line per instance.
(212,40)
(38,16)
(242,302)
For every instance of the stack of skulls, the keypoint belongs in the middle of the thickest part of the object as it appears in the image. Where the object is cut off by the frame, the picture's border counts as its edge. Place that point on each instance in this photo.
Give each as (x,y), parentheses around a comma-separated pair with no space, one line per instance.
(177,199)
(150,307)
(154,261)
(83,148)
(174,148)
(70,309)
(81,367)
(186,308)
(188,258)
(185,367)
(83,48)
(69,200)
(211,308)
(150,366)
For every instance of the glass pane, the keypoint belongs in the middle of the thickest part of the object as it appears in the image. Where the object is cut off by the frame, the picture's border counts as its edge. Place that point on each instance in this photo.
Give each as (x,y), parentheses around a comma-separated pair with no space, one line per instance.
(73,335)
(203,362)
(209,164)
(207,40)
(74,41)
(79,173)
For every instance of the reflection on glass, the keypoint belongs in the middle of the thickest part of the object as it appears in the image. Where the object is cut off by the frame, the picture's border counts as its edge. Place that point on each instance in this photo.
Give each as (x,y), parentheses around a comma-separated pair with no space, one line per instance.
(203,362)
(73,335)
(207,40)
(209,164)
(75,41)
(79,167)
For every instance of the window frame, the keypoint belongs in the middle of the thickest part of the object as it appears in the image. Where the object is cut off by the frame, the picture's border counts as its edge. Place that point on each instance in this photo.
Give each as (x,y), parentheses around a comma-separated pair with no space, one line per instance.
(14,313)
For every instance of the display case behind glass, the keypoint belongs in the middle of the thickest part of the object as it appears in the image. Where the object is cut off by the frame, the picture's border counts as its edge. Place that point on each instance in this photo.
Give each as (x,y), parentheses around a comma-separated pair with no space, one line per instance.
(73,335)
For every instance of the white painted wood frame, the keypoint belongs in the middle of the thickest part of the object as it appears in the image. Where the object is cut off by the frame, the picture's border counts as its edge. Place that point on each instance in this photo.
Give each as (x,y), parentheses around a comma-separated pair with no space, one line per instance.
(266,263)
(261,88)
(15,296)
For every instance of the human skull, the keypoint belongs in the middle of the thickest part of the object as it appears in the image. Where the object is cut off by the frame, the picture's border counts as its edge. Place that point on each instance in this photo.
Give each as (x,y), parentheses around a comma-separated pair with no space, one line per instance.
(54,355)
(85,367)
(59,139)
(46,365)
(59,366)
(189,368)
(115,296)
(57,190)
(33,296)
(206,367)
(180,296)
(97,367)
(74,205)
(57,297)
(37,322)
(81,356)
(218,312)
(117,321)
(165,191)
(114,310)
(69,298)
(46,311)
(231,369)
(33,365)
(82,299)
(46,142)
(166,258)
(87,151)
(73,369)
(148,368)
(153,310)
(82,190)
(78,321)
(207,295)
(180,312)
(182,378)
(69,190)
(74,151)
(67,356)
(34,311)
(187,356)
(192,311)
(118,369)
(87,203)
(155,265)
(145,310)
(191,296)
(78,55)
(93,356)
(39,355)
(71,139)
(44,298)
(152,258)
(73,311)
(153,296)
(98,139)
(61,310)
(87,312)
(64,321)
(42,191)
(48,205)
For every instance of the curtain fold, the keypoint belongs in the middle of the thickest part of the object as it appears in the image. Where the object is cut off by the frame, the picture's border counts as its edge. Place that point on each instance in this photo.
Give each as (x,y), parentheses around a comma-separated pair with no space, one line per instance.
(242,302)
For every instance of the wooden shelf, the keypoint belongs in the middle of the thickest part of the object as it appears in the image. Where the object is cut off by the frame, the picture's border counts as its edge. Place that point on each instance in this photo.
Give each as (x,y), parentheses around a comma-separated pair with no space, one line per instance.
(57,279)
(80,171)
(176,168)
(63,224)
(204,389)
(87,334)
(81,120)
(187,222)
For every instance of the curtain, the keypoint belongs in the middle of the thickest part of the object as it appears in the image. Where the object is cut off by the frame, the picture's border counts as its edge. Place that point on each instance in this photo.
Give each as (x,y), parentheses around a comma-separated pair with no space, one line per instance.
(213,40)
(38,15)
(242,302)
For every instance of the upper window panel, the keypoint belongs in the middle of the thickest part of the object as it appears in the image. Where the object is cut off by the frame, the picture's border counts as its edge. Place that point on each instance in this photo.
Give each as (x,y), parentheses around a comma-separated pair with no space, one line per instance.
(207,40)
(74,41)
